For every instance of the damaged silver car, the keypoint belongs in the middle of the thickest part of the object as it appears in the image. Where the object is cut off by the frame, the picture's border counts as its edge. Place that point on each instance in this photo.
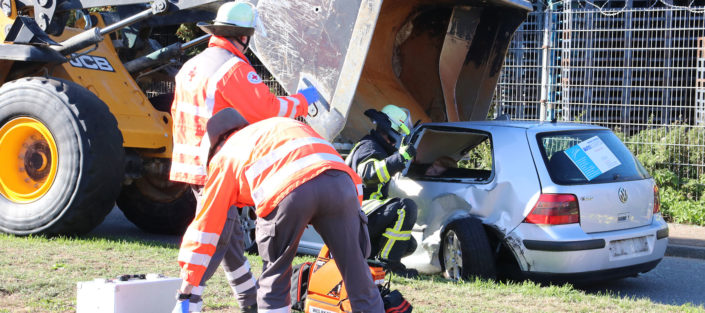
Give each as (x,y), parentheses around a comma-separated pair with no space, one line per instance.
(547,201)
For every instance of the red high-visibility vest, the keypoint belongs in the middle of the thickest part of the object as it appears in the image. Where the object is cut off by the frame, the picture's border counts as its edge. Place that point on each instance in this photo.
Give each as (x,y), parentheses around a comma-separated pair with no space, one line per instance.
(218,78)
(259,165)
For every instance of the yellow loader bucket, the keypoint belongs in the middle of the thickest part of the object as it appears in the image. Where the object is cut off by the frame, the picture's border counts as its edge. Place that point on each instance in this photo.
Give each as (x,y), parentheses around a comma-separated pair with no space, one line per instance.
(439,59)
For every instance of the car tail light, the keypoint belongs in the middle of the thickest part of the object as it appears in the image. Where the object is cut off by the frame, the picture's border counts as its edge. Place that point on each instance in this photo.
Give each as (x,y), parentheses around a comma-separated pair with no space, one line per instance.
(657,200)
(555,209)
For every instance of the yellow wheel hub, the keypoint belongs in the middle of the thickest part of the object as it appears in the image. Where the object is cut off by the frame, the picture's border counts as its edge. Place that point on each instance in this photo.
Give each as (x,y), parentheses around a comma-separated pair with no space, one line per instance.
(28,156)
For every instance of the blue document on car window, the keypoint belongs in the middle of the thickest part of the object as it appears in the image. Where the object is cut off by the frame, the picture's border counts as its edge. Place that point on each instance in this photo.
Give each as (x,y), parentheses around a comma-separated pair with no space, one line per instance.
(592,157)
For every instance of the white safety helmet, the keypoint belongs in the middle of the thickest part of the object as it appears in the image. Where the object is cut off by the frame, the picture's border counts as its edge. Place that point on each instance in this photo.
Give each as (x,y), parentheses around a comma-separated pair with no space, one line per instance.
(400,119)
(234,19)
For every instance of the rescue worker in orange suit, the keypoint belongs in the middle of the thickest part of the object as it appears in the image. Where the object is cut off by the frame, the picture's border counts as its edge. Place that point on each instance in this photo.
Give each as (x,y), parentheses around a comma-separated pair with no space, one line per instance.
(376,158)
(294,178)
(217,78)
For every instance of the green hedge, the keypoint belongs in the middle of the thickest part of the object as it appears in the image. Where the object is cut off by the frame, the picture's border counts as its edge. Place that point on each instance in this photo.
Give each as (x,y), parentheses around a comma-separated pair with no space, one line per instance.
(661,150)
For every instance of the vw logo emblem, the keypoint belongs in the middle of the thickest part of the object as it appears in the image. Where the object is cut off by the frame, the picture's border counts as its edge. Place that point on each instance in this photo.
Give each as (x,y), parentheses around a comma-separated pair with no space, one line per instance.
(622,195)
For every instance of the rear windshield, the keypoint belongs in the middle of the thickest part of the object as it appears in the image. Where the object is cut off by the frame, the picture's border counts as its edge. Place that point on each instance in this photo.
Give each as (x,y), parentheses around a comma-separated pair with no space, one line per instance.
(588,157)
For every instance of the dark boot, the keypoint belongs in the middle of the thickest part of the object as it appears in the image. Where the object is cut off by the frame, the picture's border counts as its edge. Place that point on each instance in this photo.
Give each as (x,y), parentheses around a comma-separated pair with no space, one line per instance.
(249,309)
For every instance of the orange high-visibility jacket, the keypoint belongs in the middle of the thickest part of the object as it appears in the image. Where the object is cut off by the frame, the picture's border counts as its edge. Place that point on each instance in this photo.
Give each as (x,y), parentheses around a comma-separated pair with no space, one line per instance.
(218,78)
(259,165)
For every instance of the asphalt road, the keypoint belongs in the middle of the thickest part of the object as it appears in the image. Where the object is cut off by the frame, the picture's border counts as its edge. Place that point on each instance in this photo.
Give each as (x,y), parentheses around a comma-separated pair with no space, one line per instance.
(674,281)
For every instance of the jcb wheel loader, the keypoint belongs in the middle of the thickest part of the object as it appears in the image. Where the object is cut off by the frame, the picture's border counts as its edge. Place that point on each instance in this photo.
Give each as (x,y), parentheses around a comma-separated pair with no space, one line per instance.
(77,132)
(62,163)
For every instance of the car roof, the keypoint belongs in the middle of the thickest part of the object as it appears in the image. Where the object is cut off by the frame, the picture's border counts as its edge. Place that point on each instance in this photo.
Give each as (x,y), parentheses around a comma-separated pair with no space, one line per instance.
(536,126)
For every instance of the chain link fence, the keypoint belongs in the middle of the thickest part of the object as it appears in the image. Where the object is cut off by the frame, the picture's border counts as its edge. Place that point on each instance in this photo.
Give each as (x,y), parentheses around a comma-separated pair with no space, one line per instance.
(637,67)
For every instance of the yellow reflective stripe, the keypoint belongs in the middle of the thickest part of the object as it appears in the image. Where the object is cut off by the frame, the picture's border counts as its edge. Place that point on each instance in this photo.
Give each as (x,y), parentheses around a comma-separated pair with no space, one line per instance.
(396,229)
(377,194)
(381,169)
(369,205)
(391,234)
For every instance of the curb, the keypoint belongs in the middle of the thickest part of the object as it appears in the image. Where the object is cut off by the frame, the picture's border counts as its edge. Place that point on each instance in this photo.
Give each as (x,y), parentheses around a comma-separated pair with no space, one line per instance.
(685,251)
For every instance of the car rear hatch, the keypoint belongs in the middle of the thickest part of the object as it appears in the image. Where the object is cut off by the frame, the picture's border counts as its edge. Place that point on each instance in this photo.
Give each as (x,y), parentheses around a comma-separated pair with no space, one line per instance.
(613,189)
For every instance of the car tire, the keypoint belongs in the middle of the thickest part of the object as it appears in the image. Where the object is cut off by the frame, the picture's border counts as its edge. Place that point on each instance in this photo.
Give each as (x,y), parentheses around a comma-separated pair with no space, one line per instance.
(248,218)
(465,251)
(62,141)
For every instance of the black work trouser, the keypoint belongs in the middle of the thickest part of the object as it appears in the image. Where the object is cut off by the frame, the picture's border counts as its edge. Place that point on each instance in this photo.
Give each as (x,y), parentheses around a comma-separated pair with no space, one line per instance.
(395,215)
(328,202)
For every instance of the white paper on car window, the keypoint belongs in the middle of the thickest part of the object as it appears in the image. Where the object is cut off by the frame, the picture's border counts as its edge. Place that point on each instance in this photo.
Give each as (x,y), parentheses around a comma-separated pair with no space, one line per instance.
(592,157)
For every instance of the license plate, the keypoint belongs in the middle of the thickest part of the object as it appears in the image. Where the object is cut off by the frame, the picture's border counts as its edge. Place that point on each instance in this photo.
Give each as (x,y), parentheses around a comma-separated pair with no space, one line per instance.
(626,247)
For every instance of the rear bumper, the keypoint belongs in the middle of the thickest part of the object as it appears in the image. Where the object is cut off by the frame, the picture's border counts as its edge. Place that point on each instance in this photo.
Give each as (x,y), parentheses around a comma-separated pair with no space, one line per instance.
(594,276)
(566,251)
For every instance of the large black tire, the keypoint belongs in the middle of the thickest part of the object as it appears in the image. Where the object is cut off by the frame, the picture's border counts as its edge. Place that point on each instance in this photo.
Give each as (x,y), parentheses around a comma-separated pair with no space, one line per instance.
(465,251)
(89,161)
(153,202)
(157,205)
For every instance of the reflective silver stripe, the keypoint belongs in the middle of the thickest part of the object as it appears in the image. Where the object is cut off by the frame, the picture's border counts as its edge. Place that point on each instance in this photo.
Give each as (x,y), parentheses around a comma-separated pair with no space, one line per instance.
(197,290)
(195,306)
(285,309)
(283,107)
(271,183)
(294,107)
(201,237)
(194,258)
(181,148)
(279,153)
(192,109)
(242,270)
(359,189)
(397,236)
(188,168)
(213,82)
(245,286)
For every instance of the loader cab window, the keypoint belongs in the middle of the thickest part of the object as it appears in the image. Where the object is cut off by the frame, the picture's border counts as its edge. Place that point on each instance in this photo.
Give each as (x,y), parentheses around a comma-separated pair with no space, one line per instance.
(452,155)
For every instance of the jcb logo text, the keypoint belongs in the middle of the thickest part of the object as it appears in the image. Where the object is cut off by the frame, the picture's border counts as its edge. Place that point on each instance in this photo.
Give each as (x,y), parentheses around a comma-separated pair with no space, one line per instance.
(92,62)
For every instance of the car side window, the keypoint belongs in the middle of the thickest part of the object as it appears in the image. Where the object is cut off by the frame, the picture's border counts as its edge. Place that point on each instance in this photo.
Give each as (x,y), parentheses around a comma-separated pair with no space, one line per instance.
(452,155)
(477,161)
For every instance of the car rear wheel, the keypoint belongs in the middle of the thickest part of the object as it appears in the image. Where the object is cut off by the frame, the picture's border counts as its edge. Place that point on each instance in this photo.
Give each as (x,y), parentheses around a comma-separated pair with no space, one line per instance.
(465,251)
(248,216)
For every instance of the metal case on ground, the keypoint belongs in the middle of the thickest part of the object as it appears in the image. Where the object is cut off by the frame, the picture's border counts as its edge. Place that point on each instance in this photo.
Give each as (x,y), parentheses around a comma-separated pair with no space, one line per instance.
(154,294)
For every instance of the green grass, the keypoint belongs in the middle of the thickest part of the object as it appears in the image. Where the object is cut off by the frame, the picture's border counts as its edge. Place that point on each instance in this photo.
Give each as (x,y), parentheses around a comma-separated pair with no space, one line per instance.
(40,275)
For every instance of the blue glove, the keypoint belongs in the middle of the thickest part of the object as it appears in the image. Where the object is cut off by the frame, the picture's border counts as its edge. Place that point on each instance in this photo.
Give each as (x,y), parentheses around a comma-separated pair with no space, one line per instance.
(311,94)
(182,306)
